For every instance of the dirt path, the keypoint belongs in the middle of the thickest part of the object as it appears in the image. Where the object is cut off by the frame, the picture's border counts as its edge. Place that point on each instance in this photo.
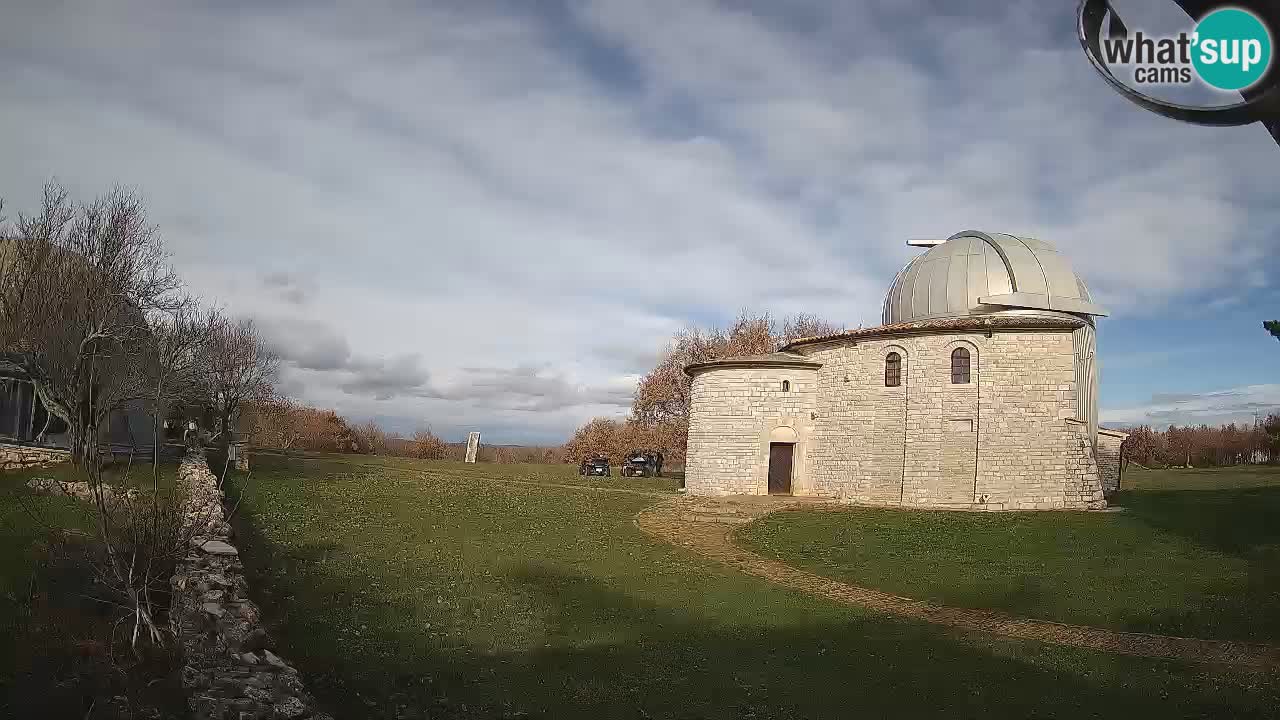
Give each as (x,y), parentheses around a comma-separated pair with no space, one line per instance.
(705,526)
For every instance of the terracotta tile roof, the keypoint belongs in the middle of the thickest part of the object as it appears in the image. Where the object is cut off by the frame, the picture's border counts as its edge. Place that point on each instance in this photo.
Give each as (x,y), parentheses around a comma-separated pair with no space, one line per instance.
(951,324)
(777,359)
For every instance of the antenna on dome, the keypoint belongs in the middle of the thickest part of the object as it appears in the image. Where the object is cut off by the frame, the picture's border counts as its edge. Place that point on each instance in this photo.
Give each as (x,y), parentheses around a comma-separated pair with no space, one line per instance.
(924,242)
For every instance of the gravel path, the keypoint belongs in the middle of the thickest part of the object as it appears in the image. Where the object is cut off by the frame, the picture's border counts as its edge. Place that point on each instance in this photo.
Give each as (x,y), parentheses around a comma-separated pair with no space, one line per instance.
(705,526)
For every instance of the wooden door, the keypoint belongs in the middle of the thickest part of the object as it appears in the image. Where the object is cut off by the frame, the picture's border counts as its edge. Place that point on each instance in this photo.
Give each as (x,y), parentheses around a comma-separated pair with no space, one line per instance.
(780,458)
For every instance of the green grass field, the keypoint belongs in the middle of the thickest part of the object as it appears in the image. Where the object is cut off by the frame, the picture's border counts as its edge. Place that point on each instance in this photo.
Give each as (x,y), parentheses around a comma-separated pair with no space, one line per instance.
(1194,553)
(53,634)
(418,589)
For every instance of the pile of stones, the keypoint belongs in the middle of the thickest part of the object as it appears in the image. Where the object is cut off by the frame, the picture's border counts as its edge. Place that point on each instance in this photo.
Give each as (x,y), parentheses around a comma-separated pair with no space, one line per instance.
(17,457)
(231,669)
(77,490)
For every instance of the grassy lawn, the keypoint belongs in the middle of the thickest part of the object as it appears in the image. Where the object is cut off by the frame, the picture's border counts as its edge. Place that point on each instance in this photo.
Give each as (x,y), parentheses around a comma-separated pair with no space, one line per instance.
(53,634)
(1194,553)
(416,589)
(520,473)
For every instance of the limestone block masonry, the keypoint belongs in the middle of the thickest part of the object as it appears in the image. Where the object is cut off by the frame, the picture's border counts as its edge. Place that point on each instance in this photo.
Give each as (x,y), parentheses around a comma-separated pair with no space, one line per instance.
(978,392)
(230,668)
(1109,444)
(734,412)
(1009,439)
(17,457)
(1002,441)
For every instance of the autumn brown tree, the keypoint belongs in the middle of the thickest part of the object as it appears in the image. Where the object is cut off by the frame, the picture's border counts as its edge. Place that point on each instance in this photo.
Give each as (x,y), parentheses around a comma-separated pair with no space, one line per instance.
(428,446)
(272,423)
(662,397)
(660,409)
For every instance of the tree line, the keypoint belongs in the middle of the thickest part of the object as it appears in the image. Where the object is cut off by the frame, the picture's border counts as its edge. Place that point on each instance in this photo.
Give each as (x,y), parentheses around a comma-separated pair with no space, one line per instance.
(281,423)
(1205,445)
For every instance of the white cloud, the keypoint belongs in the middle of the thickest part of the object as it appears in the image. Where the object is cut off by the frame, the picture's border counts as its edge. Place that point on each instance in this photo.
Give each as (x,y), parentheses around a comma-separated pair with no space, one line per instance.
(403,191)
(1236,405)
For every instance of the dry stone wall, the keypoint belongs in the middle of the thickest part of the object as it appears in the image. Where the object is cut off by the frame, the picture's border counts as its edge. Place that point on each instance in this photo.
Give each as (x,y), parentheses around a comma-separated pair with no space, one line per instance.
(80,490)
(231,668)
(1109,442)
(17,457)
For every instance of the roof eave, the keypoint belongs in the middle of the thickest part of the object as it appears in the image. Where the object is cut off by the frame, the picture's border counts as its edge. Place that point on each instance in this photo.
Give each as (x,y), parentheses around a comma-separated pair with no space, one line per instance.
(1057,320)
(731,363)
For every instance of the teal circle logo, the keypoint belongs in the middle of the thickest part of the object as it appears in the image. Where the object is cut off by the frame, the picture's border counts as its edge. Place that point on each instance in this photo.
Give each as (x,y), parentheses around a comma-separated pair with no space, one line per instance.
(1232,49)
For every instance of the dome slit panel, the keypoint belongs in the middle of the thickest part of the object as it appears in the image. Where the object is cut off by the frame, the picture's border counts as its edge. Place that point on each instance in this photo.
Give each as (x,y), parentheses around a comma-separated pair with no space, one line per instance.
(1027,274)
(905,289)
(998,280)
(1062,281)
(938,295)
(940,291)
(958,284)
(901,286)
(976,277)
(919,290)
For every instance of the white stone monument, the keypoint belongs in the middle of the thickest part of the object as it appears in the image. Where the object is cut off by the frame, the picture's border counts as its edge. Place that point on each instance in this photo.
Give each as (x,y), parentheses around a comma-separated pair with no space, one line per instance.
(473,446)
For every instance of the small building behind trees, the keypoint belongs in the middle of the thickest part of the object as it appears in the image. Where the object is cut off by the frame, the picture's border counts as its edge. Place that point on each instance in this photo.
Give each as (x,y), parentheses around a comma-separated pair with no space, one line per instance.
(24,419)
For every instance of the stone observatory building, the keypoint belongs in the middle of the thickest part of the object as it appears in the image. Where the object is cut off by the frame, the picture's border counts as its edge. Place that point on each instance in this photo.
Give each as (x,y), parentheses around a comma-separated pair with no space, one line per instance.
(978,391)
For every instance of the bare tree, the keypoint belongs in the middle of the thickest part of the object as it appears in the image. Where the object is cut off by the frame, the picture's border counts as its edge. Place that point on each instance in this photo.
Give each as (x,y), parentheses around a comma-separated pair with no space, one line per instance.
(79,286)
(240,368)
(142,542)
(371,437)
(91,312)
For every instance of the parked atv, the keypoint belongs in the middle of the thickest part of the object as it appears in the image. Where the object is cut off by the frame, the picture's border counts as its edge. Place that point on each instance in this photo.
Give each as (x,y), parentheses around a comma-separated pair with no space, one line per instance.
(642,463)
(595,466)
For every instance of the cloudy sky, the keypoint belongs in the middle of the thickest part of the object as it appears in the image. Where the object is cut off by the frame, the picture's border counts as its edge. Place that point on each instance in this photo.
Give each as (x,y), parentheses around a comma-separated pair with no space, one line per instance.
(487,215)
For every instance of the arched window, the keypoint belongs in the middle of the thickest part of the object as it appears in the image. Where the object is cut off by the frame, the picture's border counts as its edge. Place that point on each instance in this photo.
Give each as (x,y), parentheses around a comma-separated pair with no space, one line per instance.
(960,366)
(892,370)
(786,386)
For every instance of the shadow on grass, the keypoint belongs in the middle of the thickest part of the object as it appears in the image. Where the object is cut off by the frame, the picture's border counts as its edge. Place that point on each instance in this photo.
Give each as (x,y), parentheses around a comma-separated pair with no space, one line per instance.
(608,653)
(1241,523)
(1234,521)
(67,658)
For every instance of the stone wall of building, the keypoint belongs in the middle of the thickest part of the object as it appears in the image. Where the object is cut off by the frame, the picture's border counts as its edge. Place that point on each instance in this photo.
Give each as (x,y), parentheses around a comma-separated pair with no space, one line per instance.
(1001,441)
(1109,442)
(17,457)
(733,414)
